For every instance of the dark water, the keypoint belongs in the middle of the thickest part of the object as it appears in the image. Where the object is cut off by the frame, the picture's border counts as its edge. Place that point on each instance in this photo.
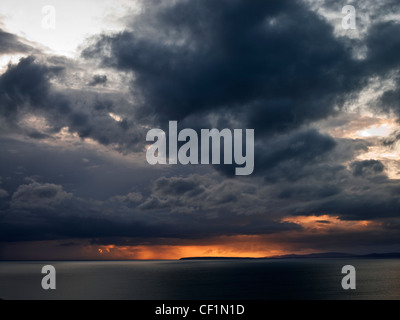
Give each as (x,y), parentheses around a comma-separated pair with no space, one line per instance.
(238,279)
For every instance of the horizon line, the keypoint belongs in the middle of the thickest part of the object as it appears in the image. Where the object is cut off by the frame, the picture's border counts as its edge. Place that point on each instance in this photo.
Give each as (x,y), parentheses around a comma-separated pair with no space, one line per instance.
(287,256)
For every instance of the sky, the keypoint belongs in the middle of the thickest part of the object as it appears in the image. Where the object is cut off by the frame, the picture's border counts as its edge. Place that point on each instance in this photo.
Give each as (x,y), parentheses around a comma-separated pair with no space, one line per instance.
(77,98)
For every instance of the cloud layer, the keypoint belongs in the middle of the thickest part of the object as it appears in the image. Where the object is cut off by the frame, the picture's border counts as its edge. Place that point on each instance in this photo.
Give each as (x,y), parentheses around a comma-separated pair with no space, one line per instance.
(73,130)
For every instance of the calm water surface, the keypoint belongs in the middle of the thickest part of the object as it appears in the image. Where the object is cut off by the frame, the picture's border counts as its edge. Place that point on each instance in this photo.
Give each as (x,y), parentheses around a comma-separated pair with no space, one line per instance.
(202,279)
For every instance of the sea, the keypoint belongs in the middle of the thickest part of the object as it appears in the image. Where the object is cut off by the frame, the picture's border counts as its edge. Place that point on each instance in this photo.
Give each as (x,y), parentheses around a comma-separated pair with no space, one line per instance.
(253,279)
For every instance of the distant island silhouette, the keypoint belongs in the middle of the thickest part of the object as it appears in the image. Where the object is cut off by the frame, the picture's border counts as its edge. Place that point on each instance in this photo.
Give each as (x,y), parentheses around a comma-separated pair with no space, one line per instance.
(392,255)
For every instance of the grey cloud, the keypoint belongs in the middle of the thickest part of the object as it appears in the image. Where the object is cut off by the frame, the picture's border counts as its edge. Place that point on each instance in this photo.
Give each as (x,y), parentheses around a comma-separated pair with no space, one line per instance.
(303,147)
(323,166)
(98,79)
(187,207)
(392,139)
(25,83)
(367,167)
(102,177)
(360,192)
(130,199)
(3,193)
(295,149)
(36,195)
(310,192)
(178,186)
(242,60)
(382,46)
(26,88)
(48,212)
(389,102)
(10,43)
(366,205)
(207,195)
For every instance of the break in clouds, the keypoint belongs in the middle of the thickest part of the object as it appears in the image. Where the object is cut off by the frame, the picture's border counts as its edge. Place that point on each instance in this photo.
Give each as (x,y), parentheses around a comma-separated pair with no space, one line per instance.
(73,130)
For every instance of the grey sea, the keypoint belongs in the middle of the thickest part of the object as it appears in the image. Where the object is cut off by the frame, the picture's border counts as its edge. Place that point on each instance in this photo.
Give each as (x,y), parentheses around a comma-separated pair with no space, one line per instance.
(286,279)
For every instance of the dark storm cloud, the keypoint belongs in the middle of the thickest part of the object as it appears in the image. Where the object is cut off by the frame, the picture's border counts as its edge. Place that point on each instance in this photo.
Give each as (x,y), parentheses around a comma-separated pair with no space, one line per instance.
(309,192)
(177,186)
(48,226)
(383,45)
(364,241)
(271,65)
(78,193)
(389,101)
(38,195)
(383,60)
(44,211)
(379,38)
(25,83)
(305,155)
(26,89)
(3,193)
(80,170)
(267,65)
(189,207)
(368,12)
(367,167)
(274,66)
(297,149)
(10,43)
(360,192)
(392,139)
(98,79)
(365,205)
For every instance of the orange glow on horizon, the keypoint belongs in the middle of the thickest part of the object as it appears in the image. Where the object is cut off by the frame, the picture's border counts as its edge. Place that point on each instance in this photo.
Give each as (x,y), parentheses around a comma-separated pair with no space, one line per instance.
(252,246)
(328,223)
(234,246)
(243,246)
